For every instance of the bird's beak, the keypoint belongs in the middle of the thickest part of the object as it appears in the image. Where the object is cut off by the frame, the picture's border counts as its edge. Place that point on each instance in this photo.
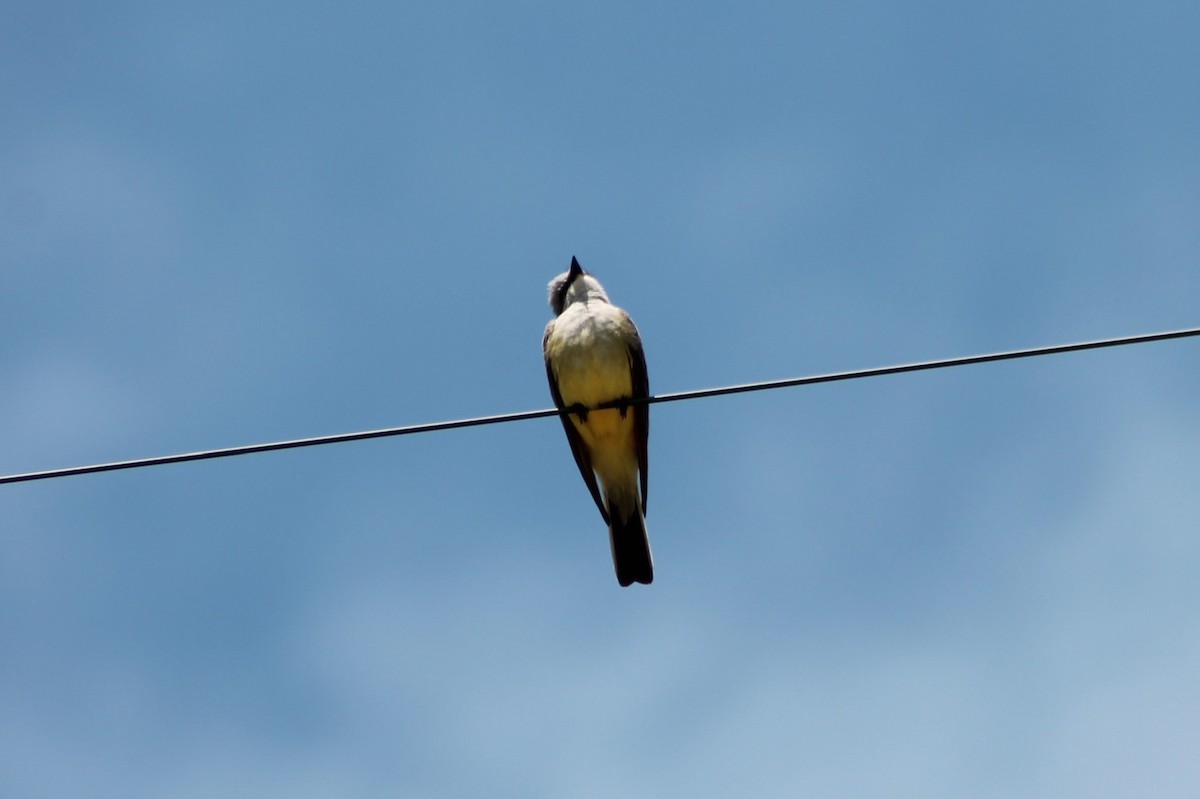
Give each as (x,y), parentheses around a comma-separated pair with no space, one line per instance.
(576,270)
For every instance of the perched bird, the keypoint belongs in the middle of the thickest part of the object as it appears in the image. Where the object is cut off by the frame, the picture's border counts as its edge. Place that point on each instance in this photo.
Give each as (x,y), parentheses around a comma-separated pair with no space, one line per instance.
(593,356)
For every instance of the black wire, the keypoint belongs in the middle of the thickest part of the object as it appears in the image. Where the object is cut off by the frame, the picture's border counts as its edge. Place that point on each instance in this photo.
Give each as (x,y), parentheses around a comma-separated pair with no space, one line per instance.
(675,397)
(922,366)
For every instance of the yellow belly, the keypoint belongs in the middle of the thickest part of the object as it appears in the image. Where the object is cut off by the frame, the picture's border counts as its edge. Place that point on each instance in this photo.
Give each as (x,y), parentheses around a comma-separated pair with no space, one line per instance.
(592,368)
(605,431)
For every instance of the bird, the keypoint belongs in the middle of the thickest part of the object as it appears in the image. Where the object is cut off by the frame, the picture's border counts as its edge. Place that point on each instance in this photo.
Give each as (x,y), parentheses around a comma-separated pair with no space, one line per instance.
(594,355)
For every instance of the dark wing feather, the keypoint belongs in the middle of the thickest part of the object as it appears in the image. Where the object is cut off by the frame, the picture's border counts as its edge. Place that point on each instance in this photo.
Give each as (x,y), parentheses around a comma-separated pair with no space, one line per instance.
(641,411)
(582,458)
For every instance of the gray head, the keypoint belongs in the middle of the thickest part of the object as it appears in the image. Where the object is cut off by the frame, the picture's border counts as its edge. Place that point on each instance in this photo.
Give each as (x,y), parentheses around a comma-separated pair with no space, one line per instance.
(574,285)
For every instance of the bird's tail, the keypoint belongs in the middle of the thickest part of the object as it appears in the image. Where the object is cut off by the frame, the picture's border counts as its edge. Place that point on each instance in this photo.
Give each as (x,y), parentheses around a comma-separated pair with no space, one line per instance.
(630,543)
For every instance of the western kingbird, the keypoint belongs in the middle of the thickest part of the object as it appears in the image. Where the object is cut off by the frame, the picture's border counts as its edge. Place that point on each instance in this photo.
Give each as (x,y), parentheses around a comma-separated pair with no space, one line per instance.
(594,355)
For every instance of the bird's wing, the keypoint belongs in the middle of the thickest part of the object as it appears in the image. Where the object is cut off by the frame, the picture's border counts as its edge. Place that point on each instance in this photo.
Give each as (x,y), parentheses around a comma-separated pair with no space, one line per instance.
(583,459)
(641,411)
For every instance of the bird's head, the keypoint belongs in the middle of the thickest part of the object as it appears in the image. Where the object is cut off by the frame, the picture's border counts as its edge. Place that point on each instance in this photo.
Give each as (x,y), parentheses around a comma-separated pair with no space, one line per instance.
(572,286)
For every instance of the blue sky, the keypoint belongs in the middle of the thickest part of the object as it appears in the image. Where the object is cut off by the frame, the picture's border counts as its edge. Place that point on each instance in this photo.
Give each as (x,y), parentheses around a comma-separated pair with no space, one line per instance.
(245,222)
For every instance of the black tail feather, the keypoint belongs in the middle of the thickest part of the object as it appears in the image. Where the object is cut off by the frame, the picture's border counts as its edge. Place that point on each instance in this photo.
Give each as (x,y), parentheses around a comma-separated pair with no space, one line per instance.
(630,547)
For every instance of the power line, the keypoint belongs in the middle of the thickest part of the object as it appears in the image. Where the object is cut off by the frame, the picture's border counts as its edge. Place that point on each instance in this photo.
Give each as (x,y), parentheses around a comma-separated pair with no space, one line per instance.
(922,366)
(478,421)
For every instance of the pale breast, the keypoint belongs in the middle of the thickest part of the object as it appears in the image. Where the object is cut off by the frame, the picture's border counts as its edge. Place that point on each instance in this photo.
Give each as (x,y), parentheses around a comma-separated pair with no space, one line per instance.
(590,351)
